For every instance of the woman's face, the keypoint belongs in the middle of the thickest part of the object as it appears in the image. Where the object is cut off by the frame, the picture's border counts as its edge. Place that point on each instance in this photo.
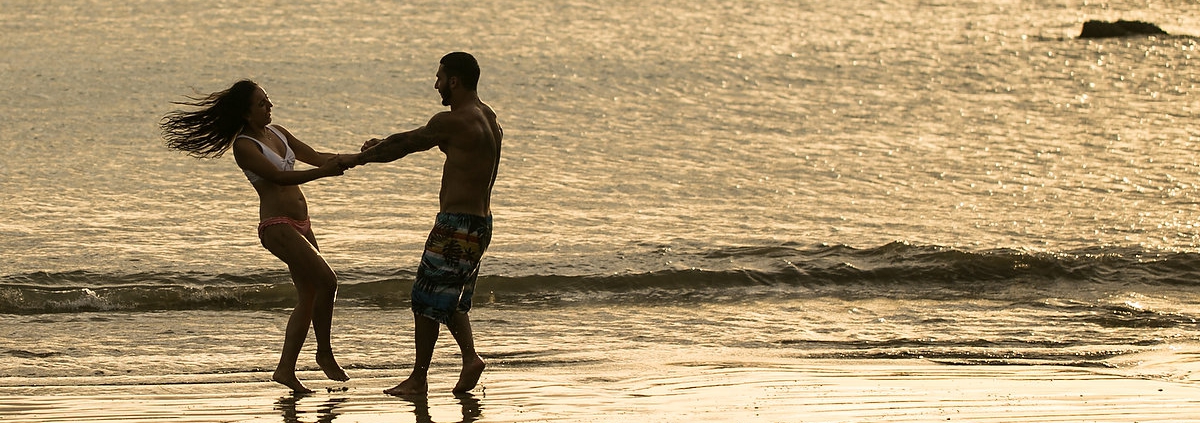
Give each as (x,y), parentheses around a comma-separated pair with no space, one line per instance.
(259,114)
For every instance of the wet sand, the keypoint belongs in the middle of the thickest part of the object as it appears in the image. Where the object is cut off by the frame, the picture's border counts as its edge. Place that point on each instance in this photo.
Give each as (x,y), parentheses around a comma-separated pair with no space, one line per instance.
(731,388)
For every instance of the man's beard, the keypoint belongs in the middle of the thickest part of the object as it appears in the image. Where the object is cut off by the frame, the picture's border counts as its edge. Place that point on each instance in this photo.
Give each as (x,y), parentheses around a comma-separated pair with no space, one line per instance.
(445,97)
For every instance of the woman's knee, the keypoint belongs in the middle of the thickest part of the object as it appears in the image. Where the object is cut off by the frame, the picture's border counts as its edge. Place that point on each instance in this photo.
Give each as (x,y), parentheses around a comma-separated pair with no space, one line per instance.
(322,282)
(327,286)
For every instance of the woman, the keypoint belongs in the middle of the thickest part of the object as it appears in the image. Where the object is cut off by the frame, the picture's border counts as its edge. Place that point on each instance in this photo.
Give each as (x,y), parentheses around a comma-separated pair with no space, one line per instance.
(239,118)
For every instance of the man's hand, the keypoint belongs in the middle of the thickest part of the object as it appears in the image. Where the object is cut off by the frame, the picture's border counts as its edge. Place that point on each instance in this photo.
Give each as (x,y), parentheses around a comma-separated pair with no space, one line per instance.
(346,161)
(370,143)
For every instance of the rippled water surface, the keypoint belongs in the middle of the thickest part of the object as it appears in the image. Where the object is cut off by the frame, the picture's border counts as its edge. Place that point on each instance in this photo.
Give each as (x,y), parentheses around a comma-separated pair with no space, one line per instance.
(974,125)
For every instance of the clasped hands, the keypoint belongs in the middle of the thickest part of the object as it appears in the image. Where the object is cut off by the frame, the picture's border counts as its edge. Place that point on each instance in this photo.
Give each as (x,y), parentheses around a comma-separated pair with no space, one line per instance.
(347,161)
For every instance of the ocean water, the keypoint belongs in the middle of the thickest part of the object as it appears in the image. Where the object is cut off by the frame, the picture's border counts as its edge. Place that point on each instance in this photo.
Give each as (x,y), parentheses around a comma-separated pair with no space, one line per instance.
(965,182)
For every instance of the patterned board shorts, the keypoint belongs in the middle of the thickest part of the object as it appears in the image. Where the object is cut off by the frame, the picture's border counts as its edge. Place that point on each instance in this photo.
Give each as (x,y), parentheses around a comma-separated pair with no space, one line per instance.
(446,278)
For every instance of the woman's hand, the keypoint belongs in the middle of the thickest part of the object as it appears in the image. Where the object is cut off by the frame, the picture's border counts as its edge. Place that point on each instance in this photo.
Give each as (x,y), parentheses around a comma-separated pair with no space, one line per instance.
(332,167)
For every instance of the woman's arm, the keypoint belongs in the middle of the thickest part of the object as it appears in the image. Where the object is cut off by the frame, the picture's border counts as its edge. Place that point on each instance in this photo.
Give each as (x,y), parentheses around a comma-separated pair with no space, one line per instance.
(249,157)
(304,152)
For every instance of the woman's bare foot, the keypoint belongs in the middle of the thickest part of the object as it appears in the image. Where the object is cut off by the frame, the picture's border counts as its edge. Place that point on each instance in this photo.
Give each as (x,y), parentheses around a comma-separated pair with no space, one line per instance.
(290,381)
(409,386)
(329,365)
(470,374)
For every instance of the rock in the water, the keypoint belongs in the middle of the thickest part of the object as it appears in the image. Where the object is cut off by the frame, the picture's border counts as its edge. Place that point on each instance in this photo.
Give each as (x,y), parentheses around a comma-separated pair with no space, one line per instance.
(1101,29)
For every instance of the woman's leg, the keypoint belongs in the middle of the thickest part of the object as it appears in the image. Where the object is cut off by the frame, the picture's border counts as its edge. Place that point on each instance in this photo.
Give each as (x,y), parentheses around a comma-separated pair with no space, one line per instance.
(322,318)
(293,341)
(316,286)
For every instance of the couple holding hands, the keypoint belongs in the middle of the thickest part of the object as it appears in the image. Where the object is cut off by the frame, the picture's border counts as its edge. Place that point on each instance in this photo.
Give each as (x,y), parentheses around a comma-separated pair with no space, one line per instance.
(469,135)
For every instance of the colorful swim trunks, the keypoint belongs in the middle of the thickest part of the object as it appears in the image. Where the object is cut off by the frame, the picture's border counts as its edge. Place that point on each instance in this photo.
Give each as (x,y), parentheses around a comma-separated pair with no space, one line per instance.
(446,277)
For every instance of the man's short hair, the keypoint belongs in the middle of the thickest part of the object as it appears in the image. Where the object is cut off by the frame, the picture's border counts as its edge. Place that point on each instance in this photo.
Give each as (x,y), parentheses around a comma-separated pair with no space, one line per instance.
(464,67)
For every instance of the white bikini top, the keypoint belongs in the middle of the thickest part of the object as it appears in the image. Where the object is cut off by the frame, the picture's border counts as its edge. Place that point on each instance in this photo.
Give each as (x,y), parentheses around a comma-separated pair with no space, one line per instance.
(288,162)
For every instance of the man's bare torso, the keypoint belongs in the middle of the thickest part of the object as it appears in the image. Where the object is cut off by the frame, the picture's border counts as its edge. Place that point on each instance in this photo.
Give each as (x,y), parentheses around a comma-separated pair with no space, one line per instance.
(472,159)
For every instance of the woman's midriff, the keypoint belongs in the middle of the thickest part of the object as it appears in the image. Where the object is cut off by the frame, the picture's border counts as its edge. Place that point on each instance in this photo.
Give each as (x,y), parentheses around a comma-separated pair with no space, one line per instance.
(281,201)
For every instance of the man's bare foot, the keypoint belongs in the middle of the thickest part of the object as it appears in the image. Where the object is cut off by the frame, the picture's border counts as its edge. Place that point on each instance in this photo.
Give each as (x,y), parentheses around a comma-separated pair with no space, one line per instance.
(409,387)
(471,372)
(291,381)
(329,365)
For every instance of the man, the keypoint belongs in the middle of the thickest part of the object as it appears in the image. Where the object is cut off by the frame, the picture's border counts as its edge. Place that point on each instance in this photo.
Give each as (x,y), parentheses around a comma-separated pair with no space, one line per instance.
(470,137)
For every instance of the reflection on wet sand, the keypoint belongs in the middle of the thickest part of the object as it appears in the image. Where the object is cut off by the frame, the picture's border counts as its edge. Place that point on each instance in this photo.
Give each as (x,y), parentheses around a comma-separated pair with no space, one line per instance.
(327,411)
(471,407)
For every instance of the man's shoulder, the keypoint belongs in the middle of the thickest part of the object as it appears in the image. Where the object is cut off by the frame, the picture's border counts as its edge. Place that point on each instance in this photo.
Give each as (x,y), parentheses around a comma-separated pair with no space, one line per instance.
(475,111)
(464,118)
(452,119)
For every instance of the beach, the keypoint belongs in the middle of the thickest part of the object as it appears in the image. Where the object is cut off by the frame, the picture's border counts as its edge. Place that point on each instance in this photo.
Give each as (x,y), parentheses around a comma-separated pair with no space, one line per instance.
(582,375)
(707,386)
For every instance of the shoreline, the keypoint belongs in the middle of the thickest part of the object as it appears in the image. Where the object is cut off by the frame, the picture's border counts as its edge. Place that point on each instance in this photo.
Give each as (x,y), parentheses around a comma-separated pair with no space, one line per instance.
(725,389)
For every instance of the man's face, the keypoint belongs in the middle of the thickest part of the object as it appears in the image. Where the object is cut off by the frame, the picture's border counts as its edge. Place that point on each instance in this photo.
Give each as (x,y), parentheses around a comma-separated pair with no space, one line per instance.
(443,86)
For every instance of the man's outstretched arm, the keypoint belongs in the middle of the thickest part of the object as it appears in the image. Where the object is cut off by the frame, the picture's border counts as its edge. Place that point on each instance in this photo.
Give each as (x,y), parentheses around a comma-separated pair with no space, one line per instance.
(395,147)
(402,144)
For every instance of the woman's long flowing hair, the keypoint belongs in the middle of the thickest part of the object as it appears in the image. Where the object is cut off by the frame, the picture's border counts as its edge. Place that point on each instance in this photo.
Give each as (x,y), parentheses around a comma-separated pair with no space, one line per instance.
(209,131)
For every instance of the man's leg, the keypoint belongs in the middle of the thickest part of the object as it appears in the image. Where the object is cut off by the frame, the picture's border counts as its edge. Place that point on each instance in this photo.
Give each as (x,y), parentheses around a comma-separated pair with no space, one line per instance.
(425,335)
(473,365)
